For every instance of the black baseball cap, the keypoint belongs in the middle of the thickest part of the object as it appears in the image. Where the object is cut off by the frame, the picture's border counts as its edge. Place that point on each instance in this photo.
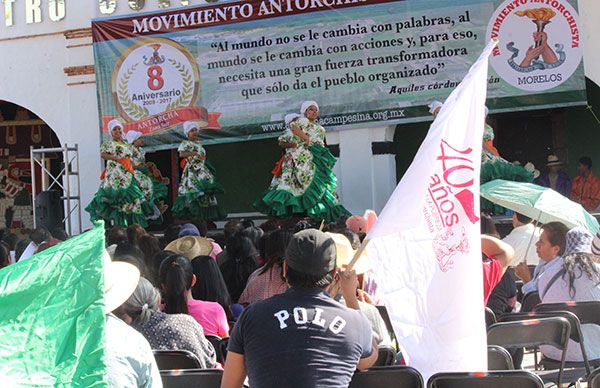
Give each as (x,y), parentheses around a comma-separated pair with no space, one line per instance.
(311,252)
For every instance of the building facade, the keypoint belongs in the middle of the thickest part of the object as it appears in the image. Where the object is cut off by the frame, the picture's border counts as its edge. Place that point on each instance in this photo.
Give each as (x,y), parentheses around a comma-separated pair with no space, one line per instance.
(47,68)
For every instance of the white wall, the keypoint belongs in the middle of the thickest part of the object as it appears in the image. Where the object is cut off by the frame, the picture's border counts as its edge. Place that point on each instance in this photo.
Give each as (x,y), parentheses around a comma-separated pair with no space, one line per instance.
(589,12)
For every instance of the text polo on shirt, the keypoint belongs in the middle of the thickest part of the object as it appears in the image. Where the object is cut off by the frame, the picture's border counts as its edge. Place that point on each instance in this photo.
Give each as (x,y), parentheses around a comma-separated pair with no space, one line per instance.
(303,317)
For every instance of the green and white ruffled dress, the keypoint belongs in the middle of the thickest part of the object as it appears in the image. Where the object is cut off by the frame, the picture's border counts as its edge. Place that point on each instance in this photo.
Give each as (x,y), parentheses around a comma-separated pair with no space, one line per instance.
(119,199)
(196,194)
(307,184)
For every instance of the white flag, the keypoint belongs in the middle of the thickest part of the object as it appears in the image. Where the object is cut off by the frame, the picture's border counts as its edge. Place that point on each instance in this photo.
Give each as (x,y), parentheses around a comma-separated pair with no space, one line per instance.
(425,247)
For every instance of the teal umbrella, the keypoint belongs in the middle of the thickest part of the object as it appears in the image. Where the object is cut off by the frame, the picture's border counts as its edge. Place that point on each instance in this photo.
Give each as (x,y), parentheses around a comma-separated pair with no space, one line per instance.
(539,203)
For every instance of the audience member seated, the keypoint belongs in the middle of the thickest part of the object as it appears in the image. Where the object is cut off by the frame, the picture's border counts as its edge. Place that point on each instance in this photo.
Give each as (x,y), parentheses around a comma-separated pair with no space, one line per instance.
(586,186)
(523,238)
(504,295)
(555,178)
(176,281)
(574,277)
(4,256)
(268,280)
(210,285)
(193,230)
(11,240)
(496,257)
(116,235)
(47,244)
(243,259)
(37,236)
(308,338)
(229,230)
(59,233)
(129,358)
(134,232)
(549,247)
(154,265)
(190,246)
(20,247)
(171,234)
(345,252)
(130,253)
(165,331)
(150,247)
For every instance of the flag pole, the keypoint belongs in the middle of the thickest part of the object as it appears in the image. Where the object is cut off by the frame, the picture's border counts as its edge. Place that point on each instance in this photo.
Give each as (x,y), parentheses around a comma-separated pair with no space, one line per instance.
(357,254)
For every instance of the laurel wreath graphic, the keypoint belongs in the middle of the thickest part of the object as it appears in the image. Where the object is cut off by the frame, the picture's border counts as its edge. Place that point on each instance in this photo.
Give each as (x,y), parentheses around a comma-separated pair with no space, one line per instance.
(132,109)
(188,86)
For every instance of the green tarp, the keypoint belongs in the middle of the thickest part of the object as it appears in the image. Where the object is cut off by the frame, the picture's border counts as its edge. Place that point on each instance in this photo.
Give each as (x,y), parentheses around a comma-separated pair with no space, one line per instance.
(52,317)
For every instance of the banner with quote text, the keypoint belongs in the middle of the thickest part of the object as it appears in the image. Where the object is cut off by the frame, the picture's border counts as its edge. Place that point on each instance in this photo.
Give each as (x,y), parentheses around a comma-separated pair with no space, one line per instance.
(238,67)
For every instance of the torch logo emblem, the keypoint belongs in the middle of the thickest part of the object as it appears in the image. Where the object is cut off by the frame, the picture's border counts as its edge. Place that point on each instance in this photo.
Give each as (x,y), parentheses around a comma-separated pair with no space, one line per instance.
(539,45)
(539,56)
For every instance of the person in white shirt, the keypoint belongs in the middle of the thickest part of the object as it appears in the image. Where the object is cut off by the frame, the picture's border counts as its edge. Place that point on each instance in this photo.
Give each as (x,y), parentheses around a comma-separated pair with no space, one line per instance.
(575,277)
(549,248)
(129,358)
(523,238)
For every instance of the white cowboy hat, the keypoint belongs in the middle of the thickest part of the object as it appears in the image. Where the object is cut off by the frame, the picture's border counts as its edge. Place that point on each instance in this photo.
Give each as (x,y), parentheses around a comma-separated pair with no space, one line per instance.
(120,280)
(553,160)
(191,246)
(345,253)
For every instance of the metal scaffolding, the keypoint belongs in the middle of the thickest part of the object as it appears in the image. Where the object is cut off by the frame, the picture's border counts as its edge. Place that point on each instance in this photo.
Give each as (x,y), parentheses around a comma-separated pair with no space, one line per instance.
(67,180)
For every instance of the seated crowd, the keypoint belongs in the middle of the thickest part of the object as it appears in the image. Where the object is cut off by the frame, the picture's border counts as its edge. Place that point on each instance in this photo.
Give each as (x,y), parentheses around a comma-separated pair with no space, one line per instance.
(282,296)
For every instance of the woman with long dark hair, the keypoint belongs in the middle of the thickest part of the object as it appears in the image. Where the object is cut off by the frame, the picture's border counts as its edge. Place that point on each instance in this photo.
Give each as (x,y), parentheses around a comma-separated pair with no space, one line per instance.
(176,281)
(243,260)
(210,285)
(152,255)
(268,280)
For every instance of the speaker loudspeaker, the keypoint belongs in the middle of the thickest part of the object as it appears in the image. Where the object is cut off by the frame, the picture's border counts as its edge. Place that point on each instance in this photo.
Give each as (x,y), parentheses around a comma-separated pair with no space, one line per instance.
(49,209)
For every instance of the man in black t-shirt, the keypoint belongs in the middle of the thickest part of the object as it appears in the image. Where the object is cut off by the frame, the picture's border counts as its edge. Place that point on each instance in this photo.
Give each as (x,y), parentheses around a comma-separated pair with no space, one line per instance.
(302,338)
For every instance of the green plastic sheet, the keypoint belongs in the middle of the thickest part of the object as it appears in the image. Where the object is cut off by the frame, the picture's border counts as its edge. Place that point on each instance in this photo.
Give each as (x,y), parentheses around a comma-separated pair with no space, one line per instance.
(52,317)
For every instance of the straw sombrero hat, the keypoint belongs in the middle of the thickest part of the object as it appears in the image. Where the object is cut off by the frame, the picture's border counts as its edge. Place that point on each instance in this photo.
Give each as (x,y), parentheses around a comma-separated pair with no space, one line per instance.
(191,246)
(345,253)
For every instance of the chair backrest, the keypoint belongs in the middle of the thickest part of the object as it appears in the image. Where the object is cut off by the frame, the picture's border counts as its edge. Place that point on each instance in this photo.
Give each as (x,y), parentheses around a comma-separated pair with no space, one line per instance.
(497,379)
(217,343)
(587,312)
(490,317)
(388,323)
(387,376)
(386,356)
(223,348)
(192,378)
(553,331)
(576,334)
(530,300)
(176,359)
(499,358)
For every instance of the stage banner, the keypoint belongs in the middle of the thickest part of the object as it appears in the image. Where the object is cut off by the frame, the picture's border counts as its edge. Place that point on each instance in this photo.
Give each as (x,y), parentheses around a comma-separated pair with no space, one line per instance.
(239,67)
(425,248)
